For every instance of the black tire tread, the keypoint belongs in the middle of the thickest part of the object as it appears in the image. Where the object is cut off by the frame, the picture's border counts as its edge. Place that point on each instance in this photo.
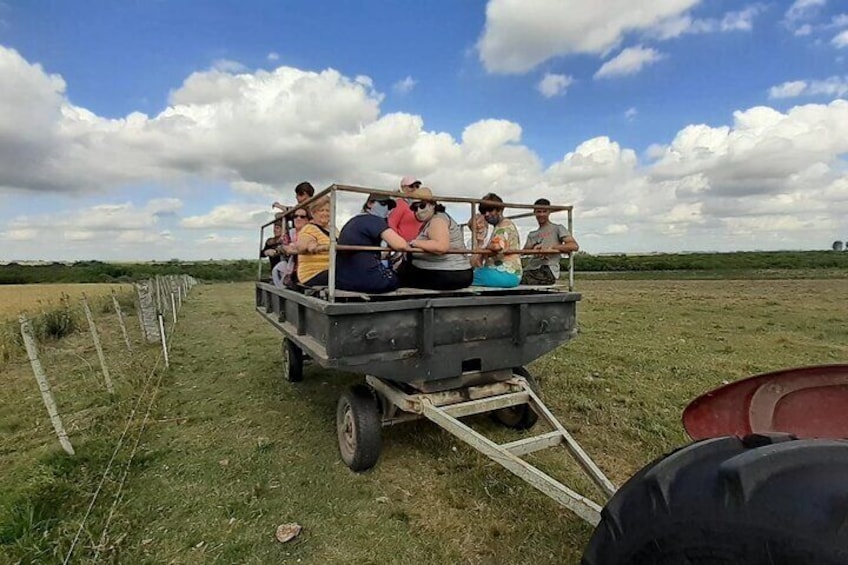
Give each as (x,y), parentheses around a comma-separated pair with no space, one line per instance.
(528,417)
(770,499)
(366,413)
(295,353)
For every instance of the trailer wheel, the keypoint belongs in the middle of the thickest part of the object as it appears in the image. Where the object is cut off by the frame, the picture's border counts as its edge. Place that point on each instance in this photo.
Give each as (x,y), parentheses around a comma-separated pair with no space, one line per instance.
(358,428)
(763,499)
(292,361)
(519,417)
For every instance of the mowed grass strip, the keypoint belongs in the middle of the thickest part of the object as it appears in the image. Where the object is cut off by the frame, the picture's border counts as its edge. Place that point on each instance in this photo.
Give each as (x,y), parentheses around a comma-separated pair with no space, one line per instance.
(232,450)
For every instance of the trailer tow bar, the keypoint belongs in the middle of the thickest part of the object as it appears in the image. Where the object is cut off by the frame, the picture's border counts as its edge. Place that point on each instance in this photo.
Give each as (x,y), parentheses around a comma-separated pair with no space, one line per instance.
(445,408)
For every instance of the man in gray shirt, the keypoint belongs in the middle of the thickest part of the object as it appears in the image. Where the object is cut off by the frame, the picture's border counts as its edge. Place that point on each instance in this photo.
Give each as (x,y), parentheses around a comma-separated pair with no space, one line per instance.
(544,269)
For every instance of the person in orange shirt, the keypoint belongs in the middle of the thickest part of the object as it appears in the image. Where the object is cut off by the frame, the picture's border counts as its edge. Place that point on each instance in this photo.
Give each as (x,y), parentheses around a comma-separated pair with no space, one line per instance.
(402,219)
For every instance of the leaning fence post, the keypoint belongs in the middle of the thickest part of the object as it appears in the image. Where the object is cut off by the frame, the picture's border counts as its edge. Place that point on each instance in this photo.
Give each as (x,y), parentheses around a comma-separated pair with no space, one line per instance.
(43,386)
(174,306)
(96,338)
(164,341)
(121,321)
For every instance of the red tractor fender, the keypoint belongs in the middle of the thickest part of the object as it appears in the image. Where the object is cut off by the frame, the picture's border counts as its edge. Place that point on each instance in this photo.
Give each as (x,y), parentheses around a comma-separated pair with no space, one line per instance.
(808,402)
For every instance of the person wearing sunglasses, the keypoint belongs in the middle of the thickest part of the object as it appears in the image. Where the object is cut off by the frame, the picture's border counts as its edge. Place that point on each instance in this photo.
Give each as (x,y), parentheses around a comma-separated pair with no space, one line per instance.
(435,269)
(285,273)
(497,270)
(364,271)
(401,219)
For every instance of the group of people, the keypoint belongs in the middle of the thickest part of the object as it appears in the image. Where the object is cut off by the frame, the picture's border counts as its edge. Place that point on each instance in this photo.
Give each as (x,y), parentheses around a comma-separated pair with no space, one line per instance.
(415,243)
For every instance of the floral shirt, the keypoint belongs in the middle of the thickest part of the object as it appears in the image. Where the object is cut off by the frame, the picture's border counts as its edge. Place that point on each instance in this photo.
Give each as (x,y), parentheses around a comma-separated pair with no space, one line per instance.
(506,236)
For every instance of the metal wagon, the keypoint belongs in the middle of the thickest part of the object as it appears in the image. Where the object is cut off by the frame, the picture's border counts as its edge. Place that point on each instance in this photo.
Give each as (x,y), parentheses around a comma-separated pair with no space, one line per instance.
(437,355)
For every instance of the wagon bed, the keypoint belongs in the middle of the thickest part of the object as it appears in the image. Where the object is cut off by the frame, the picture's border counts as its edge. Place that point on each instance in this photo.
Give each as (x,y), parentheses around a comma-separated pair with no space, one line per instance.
(420,336)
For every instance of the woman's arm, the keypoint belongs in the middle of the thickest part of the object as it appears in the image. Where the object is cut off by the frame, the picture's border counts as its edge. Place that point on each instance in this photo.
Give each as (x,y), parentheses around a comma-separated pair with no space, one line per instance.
(394,240)
(439,238)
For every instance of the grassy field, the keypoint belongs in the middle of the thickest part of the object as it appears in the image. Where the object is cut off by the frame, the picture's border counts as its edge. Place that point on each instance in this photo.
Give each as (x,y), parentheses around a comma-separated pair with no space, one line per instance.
(232,450)
(32,298)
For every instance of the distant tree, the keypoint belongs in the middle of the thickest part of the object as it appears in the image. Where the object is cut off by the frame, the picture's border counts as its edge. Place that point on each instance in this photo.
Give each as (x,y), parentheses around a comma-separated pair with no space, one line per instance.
(838,245)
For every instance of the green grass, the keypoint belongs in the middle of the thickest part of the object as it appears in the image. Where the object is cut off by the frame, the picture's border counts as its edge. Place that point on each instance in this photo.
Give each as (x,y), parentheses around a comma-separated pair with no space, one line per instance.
(232,450)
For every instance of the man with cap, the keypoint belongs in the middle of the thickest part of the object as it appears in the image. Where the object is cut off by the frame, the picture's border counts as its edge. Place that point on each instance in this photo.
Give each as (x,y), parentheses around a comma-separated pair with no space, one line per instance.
(402,219)
(363,271)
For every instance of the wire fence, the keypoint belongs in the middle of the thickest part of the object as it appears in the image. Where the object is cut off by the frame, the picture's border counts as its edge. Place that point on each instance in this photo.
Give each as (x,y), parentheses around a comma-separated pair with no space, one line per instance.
(124,358)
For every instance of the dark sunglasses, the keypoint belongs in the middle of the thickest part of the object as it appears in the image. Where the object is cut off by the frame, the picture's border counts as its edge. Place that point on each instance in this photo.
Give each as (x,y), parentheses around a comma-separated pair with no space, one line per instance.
(415,206)
(300,215)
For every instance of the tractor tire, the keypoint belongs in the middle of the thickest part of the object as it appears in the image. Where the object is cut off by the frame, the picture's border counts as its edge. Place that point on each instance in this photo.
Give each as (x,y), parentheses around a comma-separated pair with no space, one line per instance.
(358,428)
(292,361)
(520,417)
(763,499)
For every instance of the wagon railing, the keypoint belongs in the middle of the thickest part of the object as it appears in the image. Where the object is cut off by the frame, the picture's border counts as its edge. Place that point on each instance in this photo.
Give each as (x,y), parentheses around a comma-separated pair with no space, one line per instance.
(335,247)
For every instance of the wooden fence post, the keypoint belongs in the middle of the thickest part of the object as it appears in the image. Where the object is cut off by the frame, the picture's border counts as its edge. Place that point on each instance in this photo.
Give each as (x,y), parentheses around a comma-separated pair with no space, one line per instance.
(96,339)
(43,385)
(120,315)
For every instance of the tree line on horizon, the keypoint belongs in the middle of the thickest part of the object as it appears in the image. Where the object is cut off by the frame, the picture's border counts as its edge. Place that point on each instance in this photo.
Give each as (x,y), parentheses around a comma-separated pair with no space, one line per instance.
(246,269)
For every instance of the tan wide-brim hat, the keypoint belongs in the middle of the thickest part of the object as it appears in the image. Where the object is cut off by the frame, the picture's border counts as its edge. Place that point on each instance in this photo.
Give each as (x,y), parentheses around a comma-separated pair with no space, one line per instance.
(422,193)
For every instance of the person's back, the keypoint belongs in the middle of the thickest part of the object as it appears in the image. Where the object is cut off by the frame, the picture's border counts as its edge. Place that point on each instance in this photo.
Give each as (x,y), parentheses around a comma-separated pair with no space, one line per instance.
(362,271)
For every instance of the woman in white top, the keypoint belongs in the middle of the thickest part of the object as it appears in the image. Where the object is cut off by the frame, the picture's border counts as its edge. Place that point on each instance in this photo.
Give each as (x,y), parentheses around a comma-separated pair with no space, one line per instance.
(435,269)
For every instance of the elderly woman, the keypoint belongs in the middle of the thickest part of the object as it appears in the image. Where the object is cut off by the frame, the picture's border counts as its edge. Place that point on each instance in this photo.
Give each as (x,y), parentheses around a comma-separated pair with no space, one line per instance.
(498,269)
(435,269)
(313,244)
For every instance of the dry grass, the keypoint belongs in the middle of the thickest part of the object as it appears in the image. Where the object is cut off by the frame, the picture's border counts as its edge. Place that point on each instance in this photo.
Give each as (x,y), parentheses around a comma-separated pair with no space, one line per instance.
(234,450)
(32,298)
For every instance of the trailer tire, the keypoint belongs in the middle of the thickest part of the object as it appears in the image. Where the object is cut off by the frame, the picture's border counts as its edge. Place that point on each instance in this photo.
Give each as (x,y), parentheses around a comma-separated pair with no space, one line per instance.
(520,417)
(762,499)
(292,361)
(358,428)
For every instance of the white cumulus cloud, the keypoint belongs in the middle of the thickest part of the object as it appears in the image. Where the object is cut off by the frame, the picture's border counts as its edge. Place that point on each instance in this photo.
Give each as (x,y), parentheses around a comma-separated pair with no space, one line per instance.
(520,34)
(840,40)
(229,142)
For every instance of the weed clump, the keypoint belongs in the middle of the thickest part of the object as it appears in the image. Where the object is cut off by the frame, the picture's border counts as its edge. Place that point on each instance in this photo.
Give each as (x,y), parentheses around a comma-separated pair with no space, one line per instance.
(51,324)
(56,323)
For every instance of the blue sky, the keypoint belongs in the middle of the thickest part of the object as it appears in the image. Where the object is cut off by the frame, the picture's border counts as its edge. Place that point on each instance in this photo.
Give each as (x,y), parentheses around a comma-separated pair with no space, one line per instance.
(158,129)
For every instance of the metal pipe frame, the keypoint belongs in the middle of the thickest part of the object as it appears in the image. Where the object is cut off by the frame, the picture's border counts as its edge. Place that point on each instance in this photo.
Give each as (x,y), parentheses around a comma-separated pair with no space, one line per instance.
(444,409)
(334,247)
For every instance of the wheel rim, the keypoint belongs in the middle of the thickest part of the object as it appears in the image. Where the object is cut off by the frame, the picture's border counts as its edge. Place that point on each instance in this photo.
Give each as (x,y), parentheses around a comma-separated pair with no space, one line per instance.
(347,433)
(286,360)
